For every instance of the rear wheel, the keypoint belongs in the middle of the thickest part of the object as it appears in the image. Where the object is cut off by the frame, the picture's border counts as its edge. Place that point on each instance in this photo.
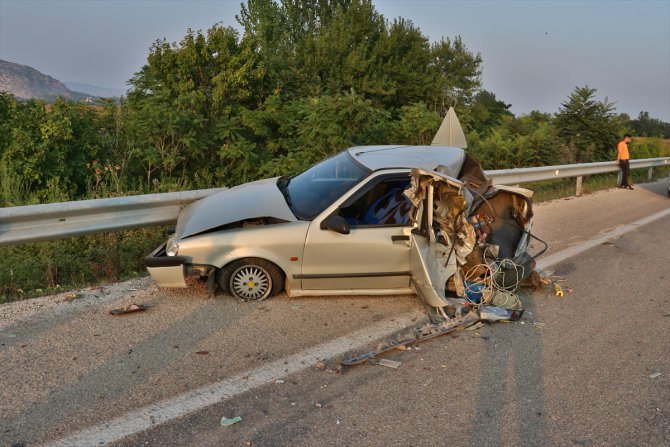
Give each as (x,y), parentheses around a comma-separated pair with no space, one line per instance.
(251,279)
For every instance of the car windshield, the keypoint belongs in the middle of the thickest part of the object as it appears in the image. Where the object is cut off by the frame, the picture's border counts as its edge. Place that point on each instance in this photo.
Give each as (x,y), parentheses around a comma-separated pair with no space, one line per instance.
(311,192)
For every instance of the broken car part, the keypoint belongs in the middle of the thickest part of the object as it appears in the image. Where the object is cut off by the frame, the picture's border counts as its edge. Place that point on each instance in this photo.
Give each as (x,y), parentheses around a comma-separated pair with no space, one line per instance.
(492,313)
(469,242)
(419,334)
(558,290)
(130,308)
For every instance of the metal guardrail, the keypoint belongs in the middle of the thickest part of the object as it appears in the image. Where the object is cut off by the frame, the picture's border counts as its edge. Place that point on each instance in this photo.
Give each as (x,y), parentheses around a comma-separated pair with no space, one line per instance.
(36,223)
(525,175)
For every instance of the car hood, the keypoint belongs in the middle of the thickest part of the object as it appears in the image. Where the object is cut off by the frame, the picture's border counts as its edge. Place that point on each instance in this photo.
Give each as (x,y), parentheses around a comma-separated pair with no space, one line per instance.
(248,201)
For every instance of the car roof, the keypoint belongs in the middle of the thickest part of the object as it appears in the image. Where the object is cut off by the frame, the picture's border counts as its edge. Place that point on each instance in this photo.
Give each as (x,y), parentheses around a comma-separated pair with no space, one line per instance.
(423,157)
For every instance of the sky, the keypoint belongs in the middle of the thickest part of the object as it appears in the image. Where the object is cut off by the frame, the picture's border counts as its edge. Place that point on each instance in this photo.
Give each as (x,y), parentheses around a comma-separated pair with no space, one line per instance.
(535,52)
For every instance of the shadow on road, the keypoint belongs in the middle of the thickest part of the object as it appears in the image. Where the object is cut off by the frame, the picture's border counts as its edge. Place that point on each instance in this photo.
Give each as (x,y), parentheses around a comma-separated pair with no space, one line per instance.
(511,396)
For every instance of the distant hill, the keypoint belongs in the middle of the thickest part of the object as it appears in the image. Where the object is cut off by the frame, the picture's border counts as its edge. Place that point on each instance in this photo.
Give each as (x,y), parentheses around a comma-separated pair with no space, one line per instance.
(27,83)
(96,90)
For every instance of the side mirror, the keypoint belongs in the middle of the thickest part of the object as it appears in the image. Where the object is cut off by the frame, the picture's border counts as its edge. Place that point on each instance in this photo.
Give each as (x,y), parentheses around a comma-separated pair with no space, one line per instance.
(337,224)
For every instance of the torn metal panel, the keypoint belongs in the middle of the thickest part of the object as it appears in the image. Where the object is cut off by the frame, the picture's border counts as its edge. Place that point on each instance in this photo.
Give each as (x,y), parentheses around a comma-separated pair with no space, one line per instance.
(473,177)
(516,190)
(472,238)
(431,268)
(442,237)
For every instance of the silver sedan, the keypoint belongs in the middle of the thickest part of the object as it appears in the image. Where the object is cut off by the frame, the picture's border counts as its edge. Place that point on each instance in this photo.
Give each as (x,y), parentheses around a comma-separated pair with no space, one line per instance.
(372,220)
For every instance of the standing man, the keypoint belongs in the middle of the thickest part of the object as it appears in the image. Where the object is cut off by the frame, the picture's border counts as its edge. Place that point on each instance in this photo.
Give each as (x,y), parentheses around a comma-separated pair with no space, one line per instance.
(623,159)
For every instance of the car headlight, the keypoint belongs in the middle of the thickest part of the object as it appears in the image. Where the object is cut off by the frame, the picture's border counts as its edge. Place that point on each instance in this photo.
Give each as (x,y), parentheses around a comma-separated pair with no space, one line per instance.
(172,249)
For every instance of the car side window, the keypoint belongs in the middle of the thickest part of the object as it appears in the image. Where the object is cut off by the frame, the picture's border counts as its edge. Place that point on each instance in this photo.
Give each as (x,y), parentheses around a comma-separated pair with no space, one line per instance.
(384,203)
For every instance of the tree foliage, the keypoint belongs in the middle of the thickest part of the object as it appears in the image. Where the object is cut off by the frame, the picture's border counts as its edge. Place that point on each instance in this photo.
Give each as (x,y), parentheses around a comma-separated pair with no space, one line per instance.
(459,72)
(529,140)
(300,81)
(646,126)
(589,129)
(305,79)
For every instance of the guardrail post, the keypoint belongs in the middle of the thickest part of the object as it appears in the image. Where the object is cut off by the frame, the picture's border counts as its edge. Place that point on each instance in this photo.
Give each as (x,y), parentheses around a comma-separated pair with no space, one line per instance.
(650,174)
(578,189)
(619,178)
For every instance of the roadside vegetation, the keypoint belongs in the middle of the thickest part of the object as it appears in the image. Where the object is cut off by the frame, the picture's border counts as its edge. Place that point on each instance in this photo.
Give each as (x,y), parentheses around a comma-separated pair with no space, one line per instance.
(302,81)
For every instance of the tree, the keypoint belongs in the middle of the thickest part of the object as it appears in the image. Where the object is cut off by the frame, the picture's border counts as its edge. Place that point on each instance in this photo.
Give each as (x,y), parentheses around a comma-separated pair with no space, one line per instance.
(484,113)
(529,140)
(458,73)
(646,126)
(315,128)
(416,124)
(589,128)
(186,102)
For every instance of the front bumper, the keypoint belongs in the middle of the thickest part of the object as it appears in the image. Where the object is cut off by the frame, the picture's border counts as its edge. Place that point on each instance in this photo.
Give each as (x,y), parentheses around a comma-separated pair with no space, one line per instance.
(167,271)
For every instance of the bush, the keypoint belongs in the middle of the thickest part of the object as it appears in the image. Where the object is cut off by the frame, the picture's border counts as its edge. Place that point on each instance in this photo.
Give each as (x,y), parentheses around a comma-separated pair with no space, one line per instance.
(33,269)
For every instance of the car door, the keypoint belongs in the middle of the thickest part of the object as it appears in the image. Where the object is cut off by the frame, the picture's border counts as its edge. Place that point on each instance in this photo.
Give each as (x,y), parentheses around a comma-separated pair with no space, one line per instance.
(437,198)
(374,254)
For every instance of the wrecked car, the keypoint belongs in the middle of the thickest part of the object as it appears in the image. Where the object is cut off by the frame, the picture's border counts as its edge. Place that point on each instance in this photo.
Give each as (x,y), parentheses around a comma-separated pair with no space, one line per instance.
(371,220)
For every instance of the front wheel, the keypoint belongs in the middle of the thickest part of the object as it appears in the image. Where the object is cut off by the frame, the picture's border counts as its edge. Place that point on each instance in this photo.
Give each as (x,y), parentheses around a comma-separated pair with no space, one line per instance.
(251,279)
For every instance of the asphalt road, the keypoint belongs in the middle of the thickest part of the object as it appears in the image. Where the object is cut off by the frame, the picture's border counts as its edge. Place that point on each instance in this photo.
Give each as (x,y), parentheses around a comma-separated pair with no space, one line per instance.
(583,377)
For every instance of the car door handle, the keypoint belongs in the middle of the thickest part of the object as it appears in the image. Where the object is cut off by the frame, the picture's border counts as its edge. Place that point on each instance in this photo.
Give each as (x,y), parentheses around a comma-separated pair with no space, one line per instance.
(399,238)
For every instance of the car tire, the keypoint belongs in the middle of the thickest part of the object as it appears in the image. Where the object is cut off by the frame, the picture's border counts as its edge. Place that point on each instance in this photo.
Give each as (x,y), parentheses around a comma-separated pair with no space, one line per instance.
(251,279)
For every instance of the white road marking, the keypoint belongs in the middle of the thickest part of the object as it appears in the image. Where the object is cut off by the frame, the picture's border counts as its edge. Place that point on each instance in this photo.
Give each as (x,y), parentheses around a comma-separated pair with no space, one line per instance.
(562,255)
(167,410)
(181,405)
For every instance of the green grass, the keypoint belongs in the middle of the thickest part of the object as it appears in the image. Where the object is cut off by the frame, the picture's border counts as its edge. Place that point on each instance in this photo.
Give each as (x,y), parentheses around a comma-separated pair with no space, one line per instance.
(43,268)
(557,189)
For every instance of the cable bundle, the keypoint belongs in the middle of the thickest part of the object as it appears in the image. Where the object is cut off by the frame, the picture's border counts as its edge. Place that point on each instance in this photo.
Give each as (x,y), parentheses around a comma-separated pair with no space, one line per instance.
(490,285)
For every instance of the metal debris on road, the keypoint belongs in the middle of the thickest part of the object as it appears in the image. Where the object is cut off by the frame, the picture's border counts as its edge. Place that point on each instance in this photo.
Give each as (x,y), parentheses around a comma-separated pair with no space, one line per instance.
(493,313)
(417,334)
(390,363)
(558,290)
(130,308)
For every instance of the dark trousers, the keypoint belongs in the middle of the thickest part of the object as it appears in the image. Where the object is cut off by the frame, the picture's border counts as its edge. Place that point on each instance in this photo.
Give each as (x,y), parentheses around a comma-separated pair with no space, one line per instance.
(625,167)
